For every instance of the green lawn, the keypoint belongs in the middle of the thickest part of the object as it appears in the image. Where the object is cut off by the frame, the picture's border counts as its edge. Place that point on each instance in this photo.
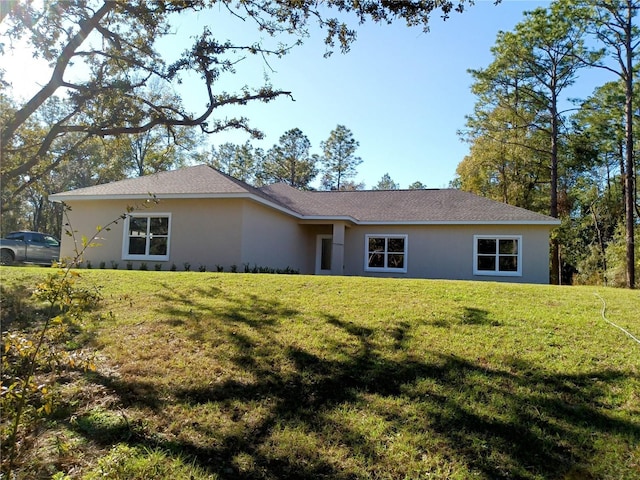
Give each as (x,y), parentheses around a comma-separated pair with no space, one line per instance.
(205,375)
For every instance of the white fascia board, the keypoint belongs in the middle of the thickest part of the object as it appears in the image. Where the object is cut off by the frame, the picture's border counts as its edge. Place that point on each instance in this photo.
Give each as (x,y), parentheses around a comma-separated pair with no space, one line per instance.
(463,222)
(328,218)
(64,197)
(316,218)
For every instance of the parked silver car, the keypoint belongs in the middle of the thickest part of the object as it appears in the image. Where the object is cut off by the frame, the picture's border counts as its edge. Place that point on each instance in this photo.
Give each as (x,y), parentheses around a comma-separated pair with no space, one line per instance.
(29,247)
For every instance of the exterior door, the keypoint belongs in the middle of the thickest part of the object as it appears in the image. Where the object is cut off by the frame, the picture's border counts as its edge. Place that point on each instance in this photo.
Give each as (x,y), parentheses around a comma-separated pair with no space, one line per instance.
(323,254)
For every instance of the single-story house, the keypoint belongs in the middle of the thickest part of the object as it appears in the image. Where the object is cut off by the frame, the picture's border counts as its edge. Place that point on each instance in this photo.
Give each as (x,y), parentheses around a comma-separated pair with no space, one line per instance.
(206,218)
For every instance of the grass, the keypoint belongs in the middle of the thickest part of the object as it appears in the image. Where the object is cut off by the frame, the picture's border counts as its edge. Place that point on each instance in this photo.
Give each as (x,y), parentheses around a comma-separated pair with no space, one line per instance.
(210,375)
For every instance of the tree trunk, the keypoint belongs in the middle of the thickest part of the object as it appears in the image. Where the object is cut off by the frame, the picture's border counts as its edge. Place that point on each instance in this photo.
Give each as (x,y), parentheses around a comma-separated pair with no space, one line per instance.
(553,208)
(601,244)
(629,170)
(628,184)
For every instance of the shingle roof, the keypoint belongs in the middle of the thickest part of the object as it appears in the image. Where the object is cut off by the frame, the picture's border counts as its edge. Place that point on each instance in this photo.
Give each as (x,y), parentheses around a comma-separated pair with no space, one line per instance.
(372,206)
(200,179)
(403,206)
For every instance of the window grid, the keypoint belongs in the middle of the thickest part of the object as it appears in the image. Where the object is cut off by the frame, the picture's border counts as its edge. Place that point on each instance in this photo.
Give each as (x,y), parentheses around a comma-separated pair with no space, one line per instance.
(385,253)
(497,255)
(147,237)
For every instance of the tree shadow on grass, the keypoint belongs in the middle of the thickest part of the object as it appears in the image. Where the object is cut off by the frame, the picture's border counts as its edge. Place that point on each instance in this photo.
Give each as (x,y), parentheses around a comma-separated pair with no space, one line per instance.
(17,308)
(512,421)
(248,309)
(477,316)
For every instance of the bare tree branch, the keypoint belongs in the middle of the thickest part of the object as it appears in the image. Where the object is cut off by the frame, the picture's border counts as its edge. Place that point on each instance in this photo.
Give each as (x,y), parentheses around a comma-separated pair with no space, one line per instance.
(57,77)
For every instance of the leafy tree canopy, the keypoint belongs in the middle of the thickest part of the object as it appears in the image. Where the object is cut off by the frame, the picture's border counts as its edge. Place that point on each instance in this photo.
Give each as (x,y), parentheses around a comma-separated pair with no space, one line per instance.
(290,161)
(115,44)
(386,183)
(417,185)
(338,159)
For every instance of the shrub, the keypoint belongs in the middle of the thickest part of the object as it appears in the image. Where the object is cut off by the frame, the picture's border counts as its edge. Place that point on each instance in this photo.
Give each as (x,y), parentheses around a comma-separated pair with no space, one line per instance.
(33,357)
(616,273)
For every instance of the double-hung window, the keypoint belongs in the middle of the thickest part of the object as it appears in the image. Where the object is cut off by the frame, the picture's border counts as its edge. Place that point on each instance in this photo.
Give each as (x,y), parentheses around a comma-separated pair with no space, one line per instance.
(497,255)
(385,253)
(146,236)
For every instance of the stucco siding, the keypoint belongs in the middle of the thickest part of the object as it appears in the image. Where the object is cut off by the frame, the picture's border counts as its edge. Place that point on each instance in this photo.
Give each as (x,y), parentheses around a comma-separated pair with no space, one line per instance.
(84,217)
(275,240)
(203,232)
(234,232)
(446,251)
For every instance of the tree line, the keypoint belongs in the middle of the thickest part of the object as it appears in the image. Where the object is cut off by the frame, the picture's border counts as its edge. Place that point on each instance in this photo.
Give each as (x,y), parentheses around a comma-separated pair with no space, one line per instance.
(574,161)
(291,161)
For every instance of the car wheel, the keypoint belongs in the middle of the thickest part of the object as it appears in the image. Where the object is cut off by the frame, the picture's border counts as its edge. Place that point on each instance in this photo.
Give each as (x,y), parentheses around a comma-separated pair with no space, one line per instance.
(6,257)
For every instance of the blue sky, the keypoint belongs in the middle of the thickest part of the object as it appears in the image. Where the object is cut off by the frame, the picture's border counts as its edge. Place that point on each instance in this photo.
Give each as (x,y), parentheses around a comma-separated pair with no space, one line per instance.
(402,92)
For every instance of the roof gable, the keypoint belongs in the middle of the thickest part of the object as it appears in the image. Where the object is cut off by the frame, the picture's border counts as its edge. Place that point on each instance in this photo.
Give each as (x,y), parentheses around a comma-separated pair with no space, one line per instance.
(444,206)
(201,179)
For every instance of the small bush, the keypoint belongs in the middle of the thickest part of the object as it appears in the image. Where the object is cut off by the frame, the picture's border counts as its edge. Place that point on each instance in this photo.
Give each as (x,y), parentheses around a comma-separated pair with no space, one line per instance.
(202,268)
(114,265)
(143,266)
(32,359)
(103,265)
(158,267)
(187,267)
(129,266)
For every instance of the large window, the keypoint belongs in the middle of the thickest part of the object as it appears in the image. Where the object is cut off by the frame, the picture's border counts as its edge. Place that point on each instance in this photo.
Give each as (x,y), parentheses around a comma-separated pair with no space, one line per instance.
(146,237)
(497,255)
(385,253)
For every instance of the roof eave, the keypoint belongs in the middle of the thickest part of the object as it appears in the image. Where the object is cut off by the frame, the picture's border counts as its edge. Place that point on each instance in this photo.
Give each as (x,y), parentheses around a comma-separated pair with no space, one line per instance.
(461,222)
(64,197)
(311,219)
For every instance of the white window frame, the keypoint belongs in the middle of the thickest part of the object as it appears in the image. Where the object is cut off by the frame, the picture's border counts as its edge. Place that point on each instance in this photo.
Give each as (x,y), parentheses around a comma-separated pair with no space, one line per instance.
(497,271)
(386,237)
(125,237)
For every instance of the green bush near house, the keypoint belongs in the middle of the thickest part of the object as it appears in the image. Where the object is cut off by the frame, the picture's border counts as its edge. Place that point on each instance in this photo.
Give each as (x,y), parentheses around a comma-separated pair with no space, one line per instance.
(220,375)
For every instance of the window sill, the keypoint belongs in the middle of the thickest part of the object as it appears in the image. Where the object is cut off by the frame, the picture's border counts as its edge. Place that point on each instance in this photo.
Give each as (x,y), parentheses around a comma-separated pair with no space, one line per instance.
(497,274)
(156,258)
(386,270)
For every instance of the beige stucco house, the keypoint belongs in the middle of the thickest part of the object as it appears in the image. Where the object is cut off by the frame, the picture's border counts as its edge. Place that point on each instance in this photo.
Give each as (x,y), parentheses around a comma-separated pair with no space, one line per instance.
(206,218)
